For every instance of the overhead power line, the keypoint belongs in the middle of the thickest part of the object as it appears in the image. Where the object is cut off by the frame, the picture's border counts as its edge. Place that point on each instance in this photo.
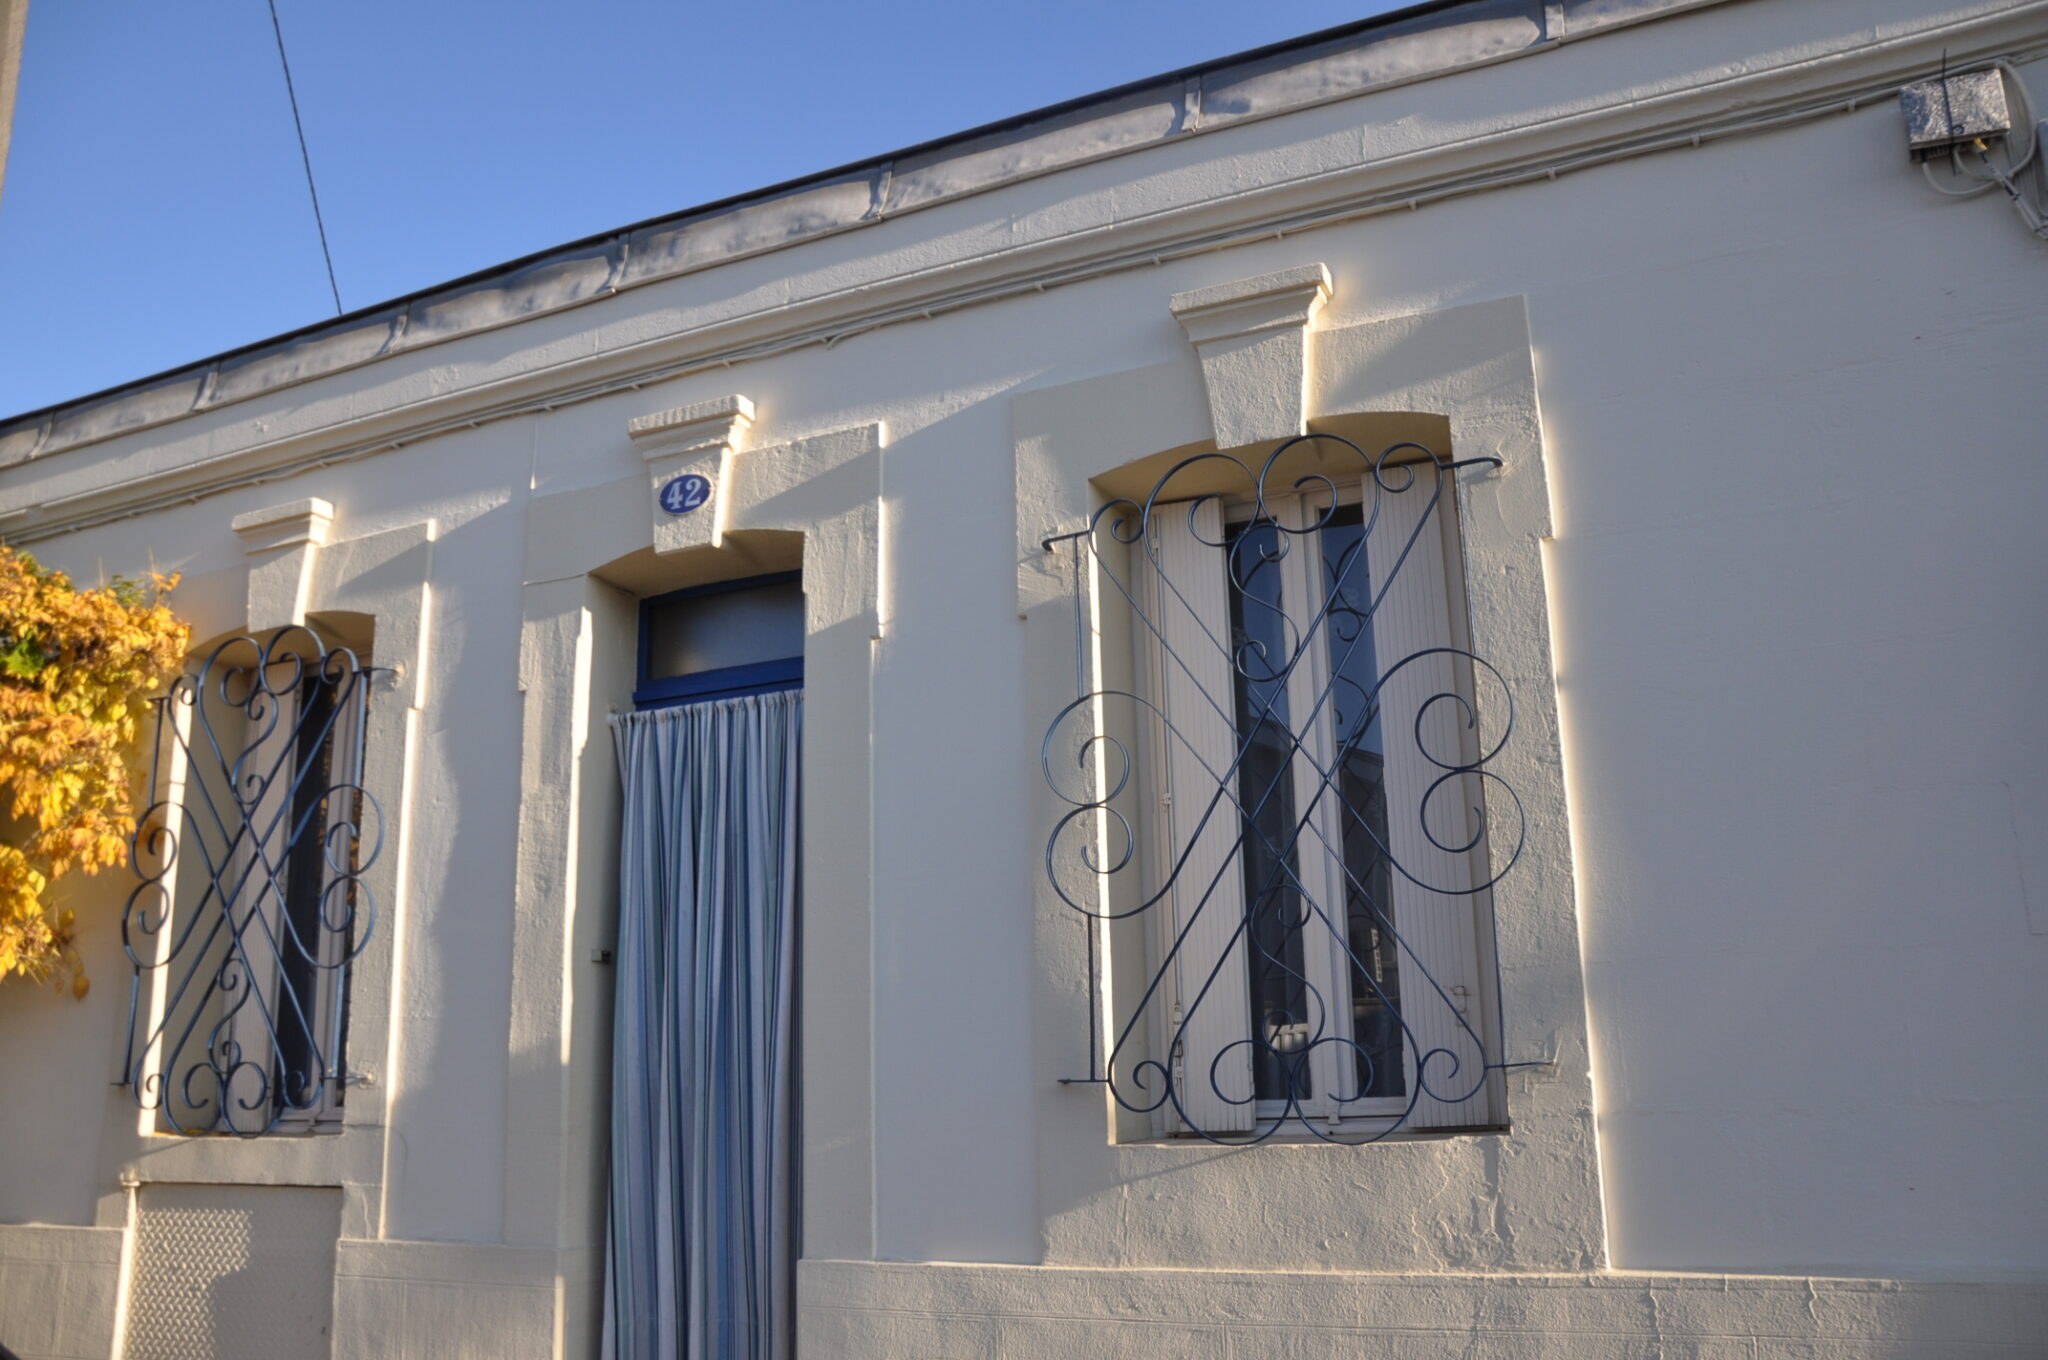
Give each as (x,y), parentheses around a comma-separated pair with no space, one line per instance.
(305,157)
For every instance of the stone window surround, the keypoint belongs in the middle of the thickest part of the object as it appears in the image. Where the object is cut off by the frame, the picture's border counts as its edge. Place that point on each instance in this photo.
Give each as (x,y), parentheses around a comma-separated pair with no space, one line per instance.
(1467,371)
(299,573)
(592,553)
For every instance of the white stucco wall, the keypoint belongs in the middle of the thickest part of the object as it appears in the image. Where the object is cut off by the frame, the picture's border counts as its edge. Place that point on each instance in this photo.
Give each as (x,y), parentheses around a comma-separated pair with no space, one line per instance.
(1792,579)
(1792,575)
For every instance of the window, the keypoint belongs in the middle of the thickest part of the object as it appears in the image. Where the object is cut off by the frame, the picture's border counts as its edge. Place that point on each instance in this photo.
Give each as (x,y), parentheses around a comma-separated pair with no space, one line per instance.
(723,640)
(1309,816)
(251,905)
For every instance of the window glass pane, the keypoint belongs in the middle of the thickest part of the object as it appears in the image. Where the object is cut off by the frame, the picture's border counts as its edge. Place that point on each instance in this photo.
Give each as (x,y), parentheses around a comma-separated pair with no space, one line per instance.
(1361,787)
(1262,643)
(316,930)
(295,1083)
(724,628)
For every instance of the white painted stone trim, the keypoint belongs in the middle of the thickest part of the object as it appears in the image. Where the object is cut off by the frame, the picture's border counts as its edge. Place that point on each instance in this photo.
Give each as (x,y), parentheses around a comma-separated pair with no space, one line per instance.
(73,1276)
(719,423)
(885,1309)
(1286,299)
(307,521)
(700,438)
(393,1300)
(1252,338)
(283,544)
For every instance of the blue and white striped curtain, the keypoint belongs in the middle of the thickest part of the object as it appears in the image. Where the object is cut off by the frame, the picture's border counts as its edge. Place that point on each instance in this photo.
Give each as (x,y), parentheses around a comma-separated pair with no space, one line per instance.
(702,1244)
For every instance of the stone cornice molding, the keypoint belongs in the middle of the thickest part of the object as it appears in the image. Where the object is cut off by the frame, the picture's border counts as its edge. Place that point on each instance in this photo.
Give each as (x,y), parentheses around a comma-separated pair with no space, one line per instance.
(1304,73)
(1287,299)
(720,424)
(294,524)
(1626,122)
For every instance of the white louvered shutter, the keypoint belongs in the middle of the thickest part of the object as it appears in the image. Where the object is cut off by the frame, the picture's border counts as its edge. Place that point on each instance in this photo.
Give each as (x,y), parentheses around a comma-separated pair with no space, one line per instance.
(1193,686)
(259,878)
(1437,927)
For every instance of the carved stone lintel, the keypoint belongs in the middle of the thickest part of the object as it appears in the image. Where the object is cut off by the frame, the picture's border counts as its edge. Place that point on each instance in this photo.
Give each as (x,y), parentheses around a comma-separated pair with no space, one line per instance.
(698,440)
(283,544)
(1252,339)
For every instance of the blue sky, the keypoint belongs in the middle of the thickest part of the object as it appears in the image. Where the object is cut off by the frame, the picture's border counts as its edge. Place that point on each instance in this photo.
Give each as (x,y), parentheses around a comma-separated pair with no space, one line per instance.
(155,212)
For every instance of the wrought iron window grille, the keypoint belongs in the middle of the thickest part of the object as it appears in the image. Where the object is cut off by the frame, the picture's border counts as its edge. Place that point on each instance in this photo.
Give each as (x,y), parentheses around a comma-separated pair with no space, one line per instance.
(251,902)
(1304,822)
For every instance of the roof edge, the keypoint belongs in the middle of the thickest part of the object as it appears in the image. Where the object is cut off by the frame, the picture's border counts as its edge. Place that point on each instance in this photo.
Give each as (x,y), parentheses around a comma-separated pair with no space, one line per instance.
(1419,42)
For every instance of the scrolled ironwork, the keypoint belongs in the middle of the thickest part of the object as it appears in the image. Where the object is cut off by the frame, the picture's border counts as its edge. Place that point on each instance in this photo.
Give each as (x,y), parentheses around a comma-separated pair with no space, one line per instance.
(251,901)
(1271,511)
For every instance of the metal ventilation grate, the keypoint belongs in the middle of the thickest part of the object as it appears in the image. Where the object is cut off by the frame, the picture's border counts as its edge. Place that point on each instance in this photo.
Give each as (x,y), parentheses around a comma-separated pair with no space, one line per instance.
(232,1272)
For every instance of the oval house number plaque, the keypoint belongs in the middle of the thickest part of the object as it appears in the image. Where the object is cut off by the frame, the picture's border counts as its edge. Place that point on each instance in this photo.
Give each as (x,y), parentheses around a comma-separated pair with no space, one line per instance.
(683,494)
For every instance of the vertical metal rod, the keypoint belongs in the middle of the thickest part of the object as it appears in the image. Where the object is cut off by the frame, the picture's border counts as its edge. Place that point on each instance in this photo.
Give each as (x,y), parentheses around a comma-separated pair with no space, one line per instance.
(128,1049)
(1080,633)
(156,754)
(1088,927)
(336,1064)
(351,711)
(1094,1005)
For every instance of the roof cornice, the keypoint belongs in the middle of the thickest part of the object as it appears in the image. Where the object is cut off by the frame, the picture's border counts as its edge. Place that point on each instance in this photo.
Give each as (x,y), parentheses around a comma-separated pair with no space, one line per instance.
(1416,43)
(1852,76)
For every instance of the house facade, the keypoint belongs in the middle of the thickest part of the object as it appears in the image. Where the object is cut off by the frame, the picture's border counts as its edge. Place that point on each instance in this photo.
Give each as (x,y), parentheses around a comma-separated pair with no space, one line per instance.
(1706,1025)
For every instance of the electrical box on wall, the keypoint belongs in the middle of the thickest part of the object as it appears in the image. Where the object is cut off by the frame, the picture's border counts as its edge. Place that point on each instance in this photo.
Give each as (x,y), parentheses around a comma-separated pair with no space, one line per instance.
(1942,114)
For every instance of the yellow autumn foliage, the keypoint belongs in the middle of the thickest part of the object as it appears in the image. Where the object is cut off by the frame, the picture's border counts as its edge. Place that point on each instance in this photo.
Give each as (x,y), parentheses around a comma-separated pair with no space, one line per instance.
(77,670)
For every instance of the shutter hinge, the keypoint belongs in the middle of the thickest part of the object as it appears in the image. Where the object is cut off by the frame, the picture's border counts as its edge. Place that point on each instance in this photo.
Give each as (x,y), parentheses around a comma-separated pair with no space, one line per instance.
(1177,1059)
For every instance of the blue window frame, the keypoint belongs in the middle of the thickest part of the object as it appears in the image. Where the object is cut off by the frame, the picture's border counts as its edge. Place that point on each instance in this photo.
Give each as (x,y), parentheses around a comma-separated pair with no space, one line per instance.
(721,641)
